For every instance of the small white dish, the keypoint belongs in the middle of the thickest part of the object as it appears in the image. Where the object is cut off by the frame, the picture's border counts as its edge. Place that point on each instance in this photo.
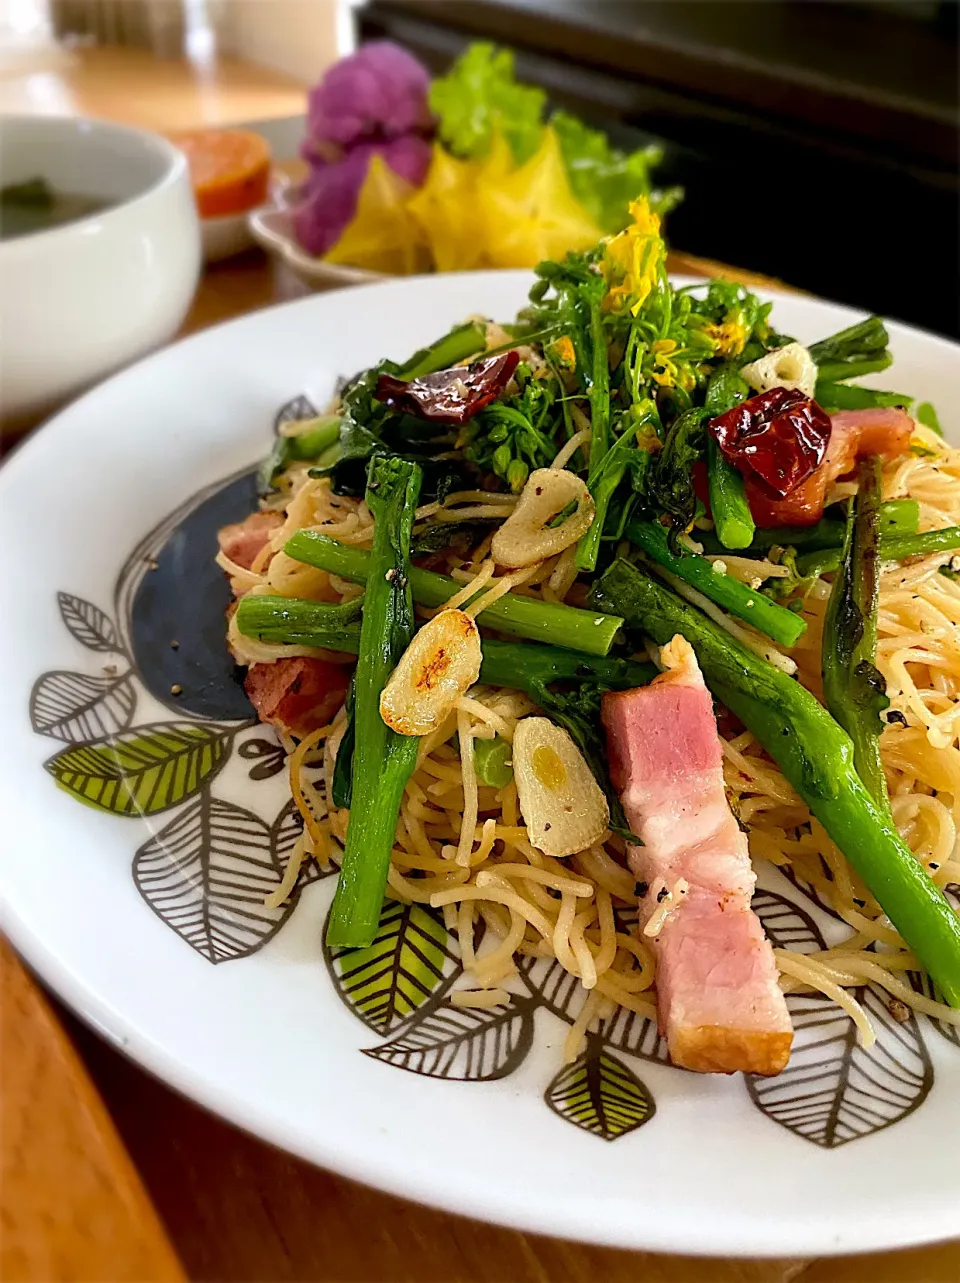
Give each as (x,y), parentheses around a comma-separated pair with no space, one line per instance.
(232,234)
(83,298)
(370,1072)
(272,229)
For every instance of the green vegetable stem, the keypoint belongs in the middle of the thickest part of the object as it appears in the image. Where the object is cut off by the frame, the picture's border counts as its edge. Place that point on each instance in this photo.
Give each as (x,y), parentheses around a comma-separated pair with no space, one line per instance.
(859,349)
(892,548)
(382,759)
(897,517)
(784,626)
(732,519)
(493,760)
(853,688)
(815,755)
(515,616)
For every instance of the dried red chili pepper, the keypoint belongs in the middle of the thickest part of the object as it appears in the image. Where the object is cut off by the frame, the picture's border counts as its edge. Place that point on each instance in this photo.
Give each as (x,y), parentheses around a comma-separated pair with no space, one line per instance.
(450,396)
(781,436)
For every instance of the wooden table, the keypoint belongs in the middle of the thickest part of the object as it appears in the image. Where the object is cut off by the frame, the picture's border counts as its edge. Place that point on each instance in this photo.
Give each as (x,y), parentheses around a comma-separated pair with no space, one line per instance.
(105,1174)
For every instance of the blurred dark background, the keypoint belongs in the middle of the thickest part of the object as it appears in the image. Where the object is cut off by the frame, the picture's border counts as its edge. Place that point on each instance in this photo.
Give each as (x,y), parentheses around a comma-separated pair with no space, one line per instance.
(817,141)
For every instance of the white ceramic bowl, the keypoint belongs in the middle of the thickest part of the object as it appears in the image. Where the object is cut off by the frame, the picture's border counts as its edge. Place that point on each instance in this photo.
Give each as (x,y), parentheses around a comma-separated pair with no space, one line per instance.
(81,299)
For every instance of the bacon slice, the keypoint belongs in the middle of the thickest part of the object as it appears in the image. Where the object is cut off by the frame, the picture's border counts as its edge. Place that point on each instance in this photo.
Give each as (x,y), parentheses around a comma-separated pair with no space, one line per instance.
(243,541)
(719,1002)
(298,695)
(854,433)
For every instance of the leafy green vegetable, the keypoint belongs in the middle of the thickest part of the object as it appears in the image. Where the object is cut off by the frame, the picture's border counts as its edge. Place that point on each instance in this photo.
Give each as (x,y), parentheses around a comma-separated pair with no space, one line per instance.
(493,760)
(927,415)
(478,96)
(605,179)
(382,759)
(517,434)
(308,444)
(816,756)
(853,688)
(670,485)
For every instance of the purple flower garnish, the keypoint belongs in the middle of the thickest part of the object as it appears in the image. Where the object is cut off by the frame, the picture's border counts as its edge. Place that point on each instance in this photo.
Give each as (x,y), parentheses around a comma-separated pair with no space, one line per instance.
(328,199)
(379,92)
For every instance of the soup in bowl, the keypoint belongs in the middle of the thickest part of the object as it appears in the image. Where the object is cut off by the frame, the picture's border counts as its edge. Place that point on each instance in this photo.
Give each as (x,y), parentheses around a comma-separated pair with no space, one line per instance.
(99,255)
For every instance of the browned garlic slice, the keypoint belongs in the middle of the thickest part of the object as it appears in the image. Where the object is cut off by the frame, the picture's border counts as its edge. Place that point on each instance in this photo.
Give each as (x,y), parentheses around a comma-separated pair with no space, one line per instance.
(786,367)
(562,805)
(441,662)
(527,536)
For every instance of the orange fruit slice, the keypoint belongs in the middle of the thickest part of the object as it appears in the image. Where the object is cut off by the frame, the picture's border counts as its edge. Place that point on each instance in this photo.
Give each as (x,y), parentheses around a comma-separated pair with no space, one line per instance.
(229,169)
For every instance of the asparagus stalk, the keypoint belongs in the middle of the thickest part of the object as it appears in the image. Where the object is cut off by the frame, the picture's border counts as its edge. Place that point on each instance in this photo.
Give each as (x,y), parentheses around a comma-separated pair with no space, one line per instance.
(382,759)
(849,396)
(307,445)
(462,341)
(296,621)
(859,349)
(853,689)
(816,756)
(728,500)
(516,616)
(606,463)
(897,517)
(892,548)
(604,480)
(784,626)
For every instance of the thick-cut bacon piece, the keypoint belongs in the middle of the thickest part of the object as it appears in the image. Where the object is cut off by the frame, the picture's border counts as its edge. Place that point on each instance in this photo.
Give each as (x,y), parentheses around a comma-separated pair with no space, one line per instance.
(719,1002)
(297,695)
(853,433)
(243,541)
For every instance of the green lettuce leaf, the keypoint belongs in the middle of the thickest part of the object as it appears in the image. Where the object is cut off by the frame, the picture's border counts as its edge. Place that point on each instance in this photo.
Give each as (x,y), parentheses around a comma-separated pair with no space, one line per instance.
(480,95)
(604,179)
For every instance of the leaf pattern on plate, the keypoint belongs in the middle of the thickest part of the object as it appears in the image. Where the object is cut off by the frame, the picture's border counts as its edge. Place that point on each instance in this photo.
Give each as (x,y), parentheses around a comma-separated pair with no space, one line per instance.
(921,982)
(284,833)
(787,925)
(833,1090)
(600,1093)
(75,707)
(268,756)
(142,770)
(466,1044)
(88,623)
(562,993)
(206,875)
(412,961)
(809,890)
(301,407)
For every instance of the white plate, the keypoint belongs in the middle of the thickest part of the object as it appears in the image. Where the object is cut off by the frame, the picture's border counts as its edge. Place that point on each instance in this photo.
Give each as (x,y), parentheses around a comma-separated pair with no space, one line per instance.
(266,1040)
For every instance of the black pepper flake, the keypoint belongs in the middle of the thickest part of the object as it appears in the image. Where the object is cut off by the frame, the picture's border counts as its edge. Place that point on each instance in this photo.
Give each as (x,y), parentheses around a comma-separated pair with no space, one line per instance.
(894,716)
(933,866)
(662,895)
(640,890)
(862,904)
(554,892)
(785,730)
(547,826)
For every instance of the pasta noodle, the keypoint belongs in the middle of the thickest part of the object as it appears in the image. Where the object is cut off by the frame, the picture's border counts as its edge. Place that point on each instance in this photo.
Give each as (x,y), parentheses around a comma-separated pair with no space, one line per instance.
(461,845)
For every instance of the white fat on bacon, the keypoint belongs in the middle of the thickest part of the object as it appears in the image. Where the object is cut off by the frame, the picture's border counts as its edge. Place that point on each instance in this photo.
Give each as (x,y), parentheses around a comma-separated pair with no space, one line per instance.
(720,1006)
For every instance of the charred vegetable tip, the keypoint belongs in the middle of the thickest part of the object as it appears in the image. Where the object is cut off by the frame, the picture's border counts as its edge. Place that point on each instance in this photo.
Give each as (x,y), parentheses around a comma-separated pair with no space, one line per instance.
(382,759)
(584,630)
(816,756)
(853,688)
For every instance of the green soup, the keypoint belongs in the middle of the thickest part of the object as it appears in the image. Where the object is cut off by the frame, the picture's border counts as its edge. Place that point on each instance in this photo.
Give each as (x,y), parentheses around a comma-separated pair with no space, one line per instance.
(35,206)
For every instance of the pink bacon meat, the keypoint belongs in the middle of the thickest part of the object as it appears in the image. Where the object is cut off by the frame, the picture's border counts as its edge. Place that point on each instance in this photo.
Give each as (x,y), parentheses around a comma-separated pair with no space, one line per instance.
(719,1003)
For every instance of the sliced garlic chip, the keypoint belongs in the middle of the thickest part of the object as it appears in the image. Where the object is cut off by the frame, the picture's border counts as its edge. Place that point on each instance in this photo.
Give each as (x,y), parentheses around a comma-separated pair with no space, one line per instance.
(553,511)
(441,662)
(562,804)
(786,367)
